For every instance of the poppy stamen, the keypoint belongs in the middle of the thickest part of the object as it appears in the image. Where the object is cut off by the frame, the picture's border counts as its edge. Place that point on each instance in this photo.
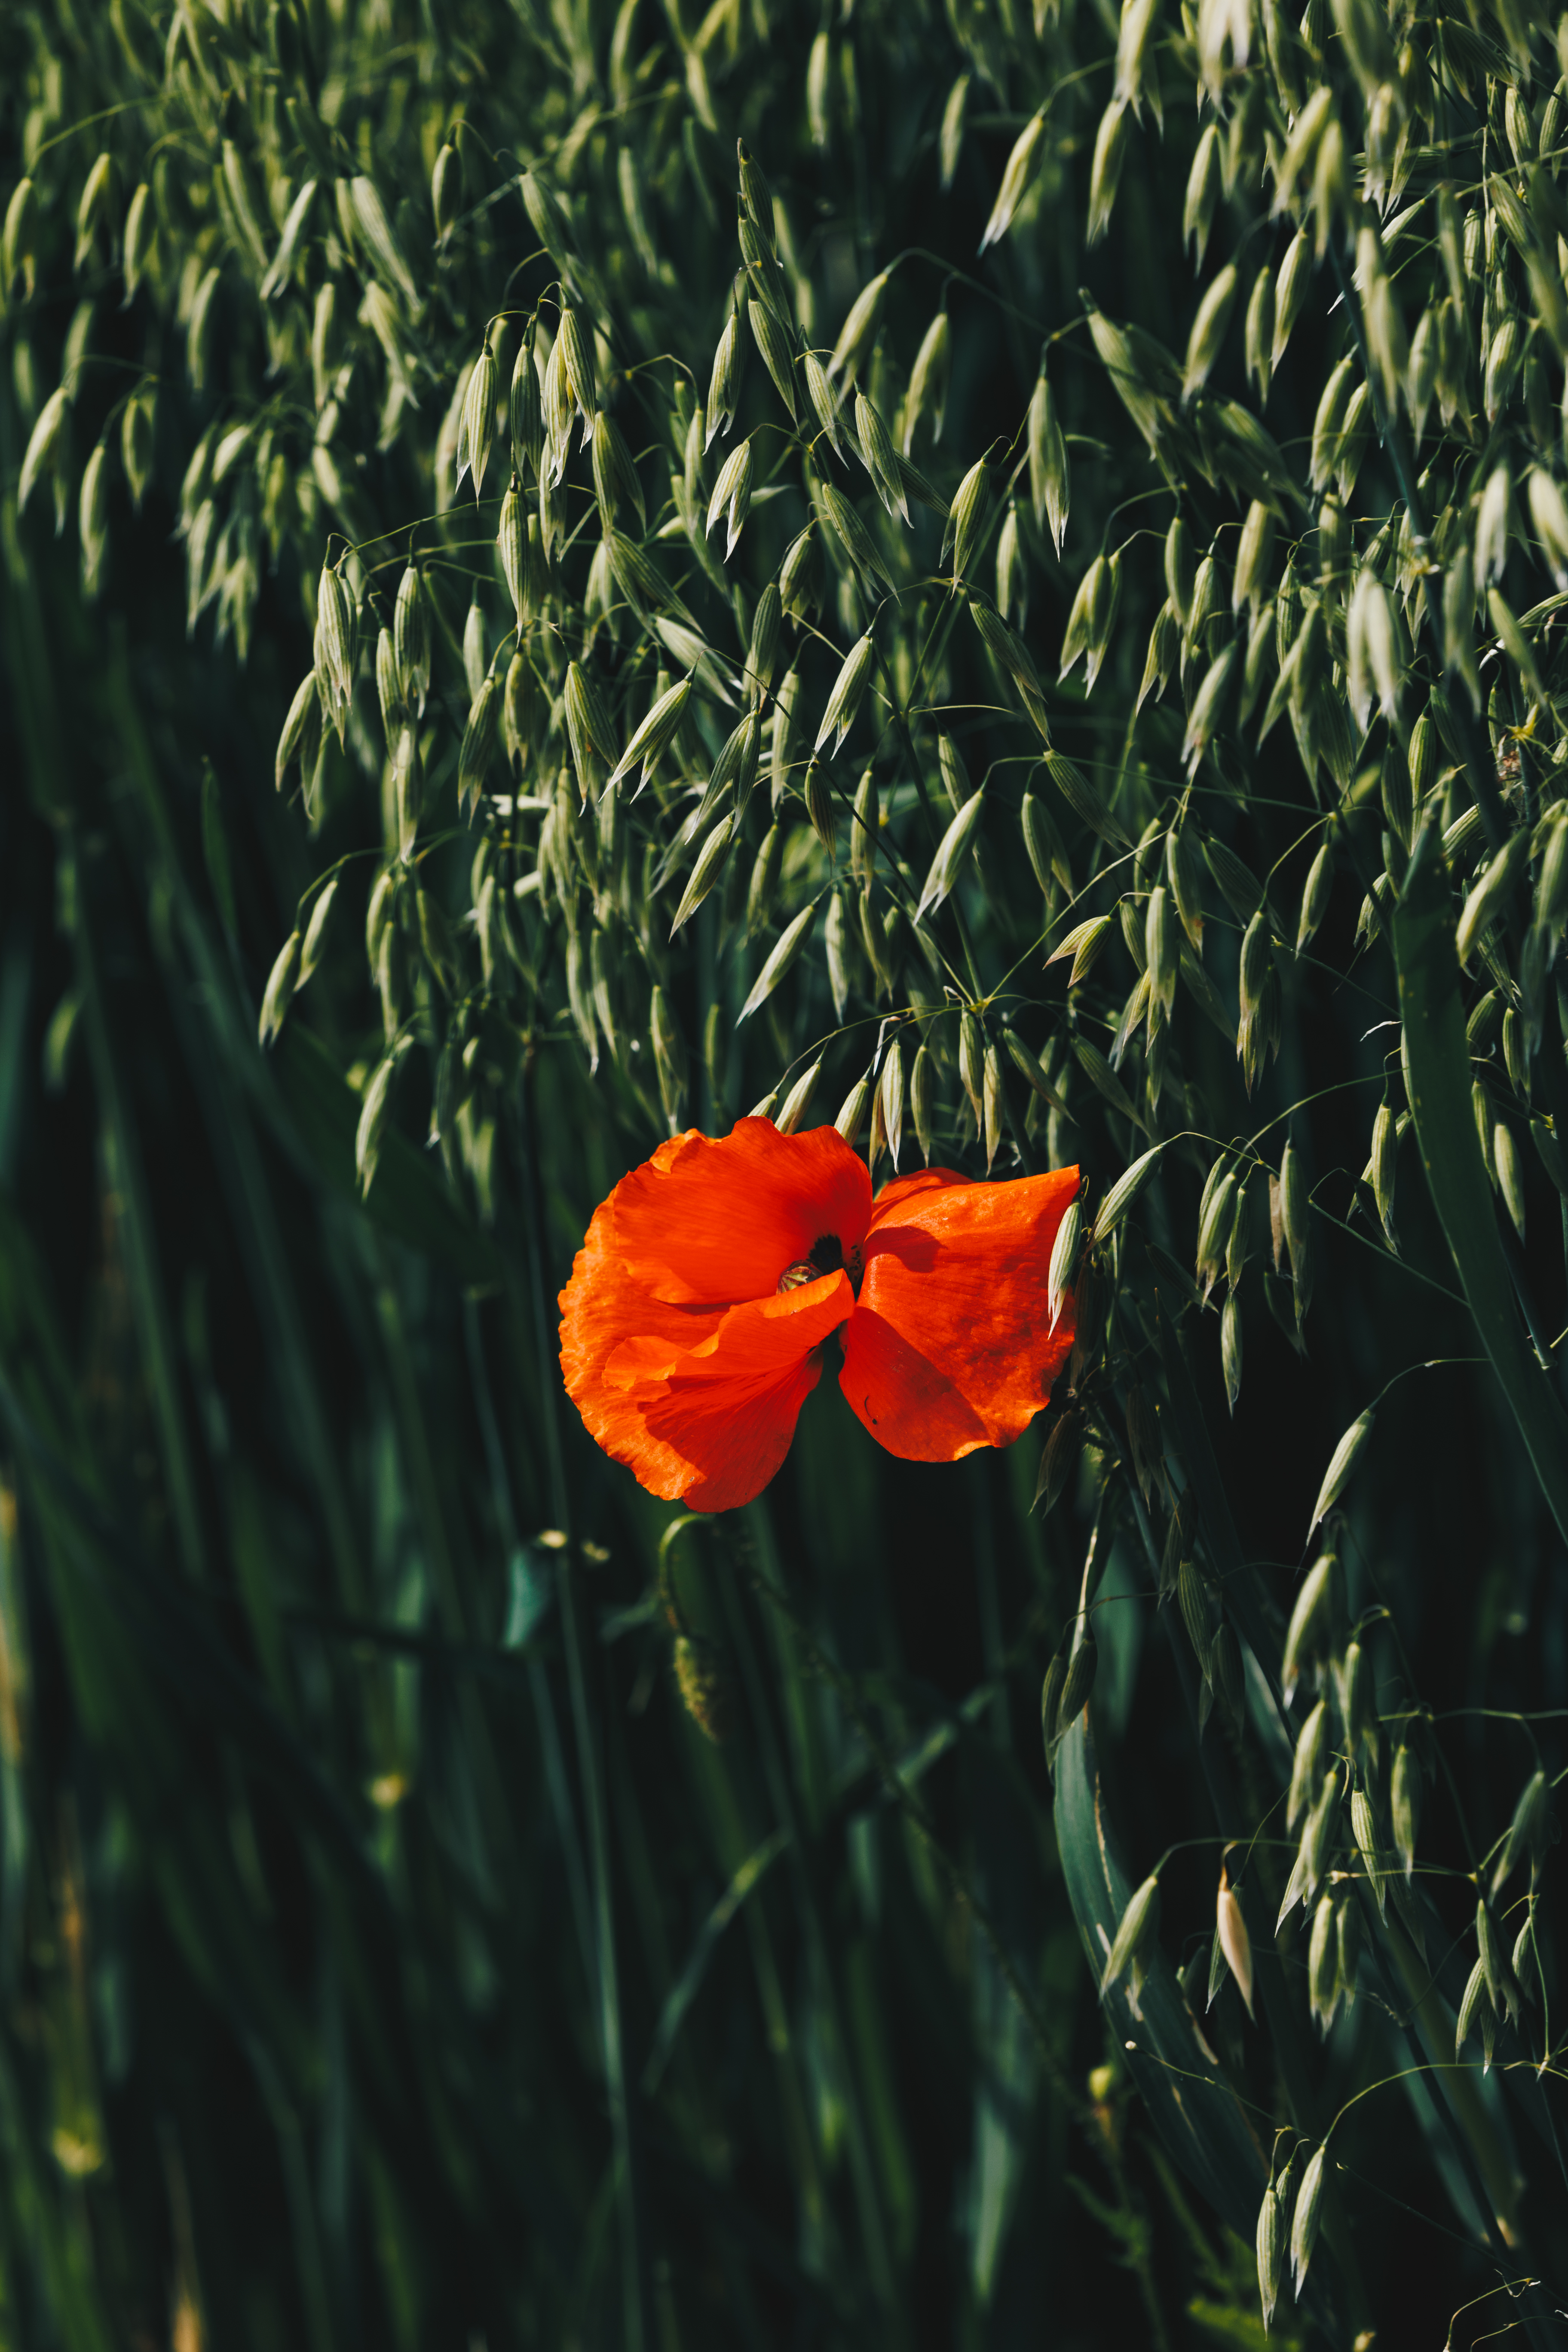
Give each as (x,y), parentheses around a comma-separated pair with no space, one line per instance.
(826,1257)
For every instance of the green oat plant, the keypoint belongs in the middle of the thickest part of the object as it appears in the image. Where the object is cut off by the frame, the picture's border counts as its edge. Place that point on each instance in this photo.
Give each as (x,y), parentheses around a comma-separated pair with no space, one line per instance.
(994,578)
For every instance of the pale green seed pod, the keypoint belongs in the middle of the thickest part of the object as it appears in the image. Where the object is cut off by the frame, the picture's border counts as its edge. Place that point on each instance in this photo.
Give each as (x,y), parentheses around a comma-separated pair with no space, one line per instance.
(1295,275)
(446,191)
(1294,1210)
(952,853)
(1475,2009)
(848,692)
(859,329)
(1184,877)
(479,420)
(656,733)
(18,246)
(1260,333)
(785,703)
(799,592)
(1494,528)
(1526,1832)
(1384,1147)
(1203,182)
(781,959)
(301,737)
(878,944)
(1499,1976)
(1133,1943)
(512,535)
(525,407)
(765,646)
(968,516)
(724,382)
(141,227)
(1270,2251)
(1231,1348)
(1105,171)
(764,885)
(712,860)
(854,538)
(835,954)
(1510,1175)
(955,779)
(732,494)
(278,994)
(1311,1623)
(1064,1259)
(478,741)
(950,140)
(1323,1963)
(1012,571)
(1162,952)
(1180,569)
(1329,422)
(1049,488)
(825,401)
(1208,328)
(1307,2218)
(476,648)
(1016,179)
(1503,354)
(791,1116)
(865,829)
(93,518)
(820,806)
(389,687)
(1253,554)
(411,640)
(1551,882)
(929,381)
(1044,845)
(922,1099)
(1322,1830)
(881,458)
(136,445)
(1421,378)
(92,206)
(777,357)
(1331,184)
(1305,1771)
(891,1099)
(851,1117)
(971,1061)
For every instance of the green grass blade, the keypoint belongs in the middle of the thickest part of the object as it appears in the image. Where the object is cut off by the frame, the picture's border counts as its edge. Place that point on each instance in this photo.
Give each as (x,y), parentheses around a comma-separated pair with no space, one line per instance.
(1200,2120)
(1438,1079)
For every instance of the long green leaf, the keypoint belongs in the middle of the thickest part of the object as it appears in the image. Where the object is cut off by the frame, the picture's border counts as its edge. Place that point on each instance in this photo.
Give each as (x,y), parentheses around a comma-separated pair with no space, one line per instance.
(1437,1080)
(1200,2119)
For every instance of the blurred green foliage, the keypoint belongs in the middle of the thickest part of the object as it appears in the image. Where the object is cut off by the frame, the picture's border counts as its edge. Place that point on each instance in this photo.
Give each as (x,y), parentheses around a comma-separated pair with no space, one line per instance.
(444,1896)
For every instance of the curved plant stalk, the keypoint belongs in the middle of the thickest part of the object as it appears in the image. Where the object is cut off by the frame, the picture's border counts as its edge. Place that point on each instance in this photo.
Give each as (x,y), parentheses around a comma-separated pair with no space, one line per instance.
(1436,1073)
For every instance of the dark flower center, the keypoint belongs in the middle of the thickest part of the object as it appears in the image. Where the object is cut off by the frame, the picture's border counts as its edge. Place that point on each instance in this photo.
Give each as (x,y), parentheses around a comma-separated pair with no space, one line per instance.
(826,1257)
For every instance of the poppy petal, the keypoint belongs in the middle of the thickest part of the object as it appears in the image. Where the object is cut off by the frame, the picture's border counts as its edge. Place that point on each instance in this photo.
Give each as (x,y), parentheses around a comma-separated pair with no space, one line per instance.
(601,1313)
(950,1347)
(906,1403)
(714,1222)
(700,1404)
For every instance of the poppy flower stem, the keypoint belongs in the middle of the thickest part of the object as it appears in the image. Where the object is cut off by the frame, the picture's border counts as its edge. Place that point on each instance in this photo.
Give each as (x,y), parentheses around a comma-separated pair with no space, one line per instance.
(636,2301)
(868,2198)
(910,1805)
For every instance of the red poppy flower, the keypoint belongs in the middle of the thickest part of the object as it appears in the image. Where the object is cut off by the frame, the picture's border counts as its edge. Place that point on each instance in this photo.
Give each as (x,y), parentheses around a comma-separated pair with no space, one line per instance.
(692,1327)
